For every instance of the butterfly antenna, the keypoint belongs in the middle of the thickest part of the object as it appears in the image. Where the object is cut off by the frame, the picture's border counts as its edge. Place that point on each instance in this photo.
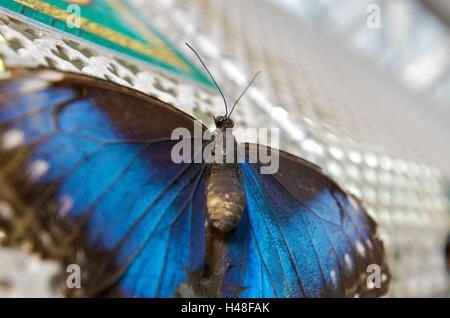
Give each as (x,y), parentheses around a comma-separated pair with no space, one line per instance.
(249,84)
(210,75)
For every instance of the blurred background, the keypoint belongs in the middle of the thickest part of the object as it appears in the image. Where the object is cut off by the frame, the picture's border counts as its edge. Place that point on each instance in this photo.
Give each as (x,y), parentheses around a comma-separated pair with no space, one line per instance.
(359,87)
(410,42)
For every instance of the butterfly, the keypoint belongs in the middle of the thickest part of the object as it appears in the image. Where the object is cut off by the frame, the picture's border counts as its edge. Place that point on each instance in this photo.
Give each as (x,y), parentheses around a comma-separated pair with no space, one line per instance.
(88,162)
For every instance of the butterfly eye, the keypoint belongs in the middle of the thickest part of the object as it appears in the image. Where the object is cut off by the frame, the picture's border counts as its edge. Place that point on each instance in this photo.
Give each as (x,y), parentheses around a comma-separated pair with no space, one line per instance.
(218,121)
(223,122)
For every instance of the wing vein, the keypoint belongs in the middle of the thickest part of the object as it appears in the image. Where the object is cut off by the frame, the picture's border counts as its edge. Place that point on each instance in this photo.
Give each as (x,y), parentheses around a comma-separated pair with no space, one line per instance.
(279,228)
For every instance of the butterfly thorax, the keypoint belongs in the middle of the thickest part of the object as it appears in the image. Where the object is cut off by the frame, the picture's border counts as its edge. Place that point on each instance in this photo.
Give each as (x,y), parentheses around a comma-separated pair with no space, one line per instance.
(225,197)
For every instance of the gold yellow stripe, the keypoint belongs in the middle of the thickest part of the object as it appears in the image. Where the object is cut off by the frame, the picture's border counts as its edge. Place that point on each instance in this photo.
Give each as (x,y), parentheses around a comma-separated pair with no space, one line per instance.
(158,50)
(2,64)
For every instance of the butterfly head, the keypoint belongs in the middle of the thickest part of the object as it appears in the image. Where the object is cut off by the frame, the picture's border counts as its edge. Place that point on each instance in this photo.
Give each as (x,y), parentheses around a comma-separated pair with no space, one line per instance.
(223,122)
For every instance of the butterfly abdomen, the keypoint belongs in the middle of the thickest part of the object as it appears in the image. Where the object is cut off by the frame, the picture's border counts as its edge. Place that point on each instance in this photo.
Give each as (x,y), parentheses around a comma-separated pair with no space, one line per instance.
(225,197)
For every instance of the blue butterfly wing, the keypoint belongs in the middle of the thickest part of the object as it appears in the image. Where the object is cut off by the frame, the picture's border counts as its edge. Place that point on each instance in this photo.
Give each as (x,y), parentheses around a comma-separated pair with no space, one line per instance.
(304,237)
(98,157)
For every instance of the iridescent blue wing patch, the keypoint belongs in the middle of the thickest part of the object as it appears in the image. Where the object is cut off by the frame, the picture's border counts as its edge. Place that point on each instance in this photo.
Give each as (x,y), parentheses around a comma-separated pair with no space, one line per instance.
(97,157)
(301,236)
